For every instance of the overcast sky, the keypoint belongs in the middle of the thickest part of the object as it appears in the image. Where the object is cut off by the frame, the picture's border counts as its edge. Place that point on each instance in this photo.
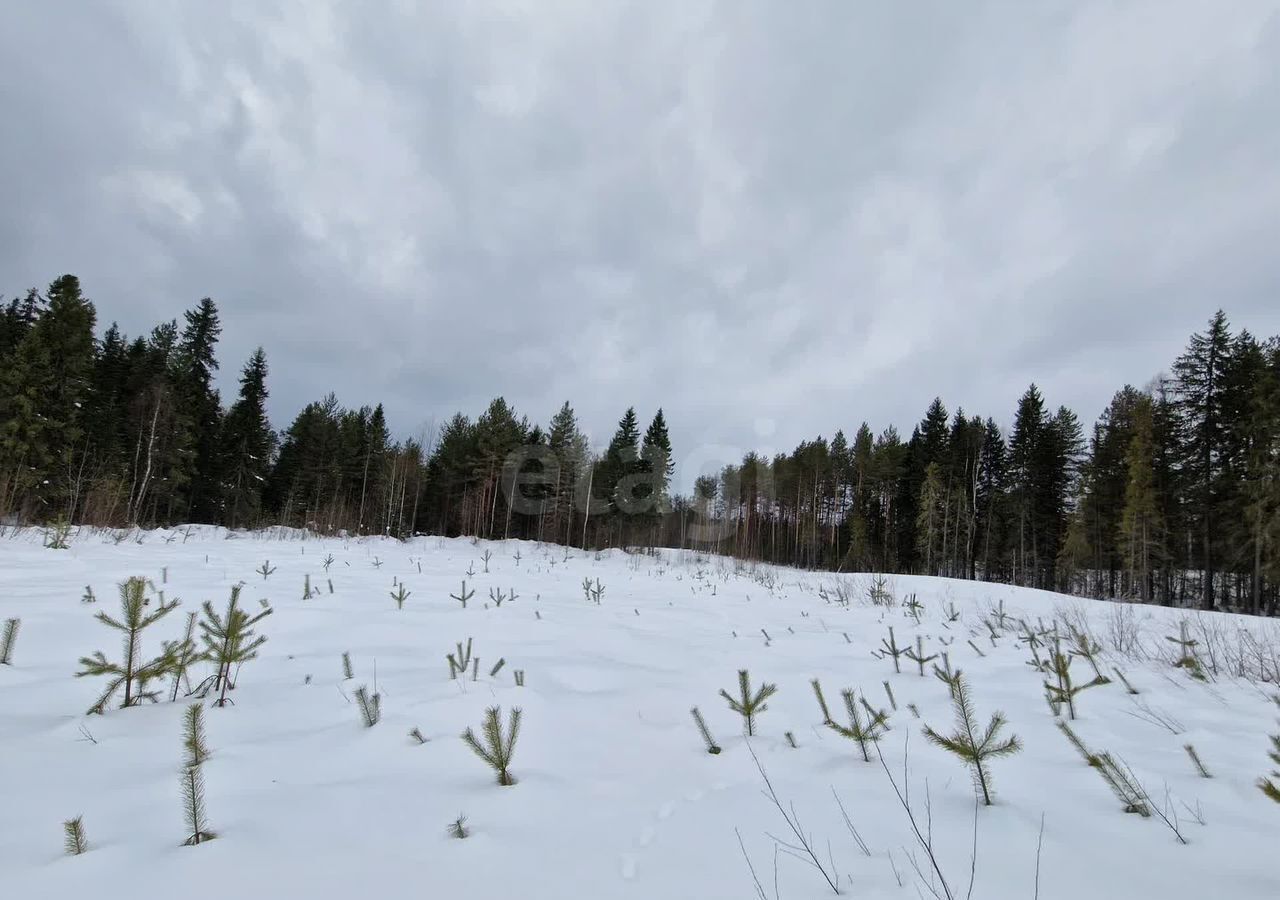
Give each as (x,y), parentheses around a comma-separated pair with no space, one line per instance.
(774,219)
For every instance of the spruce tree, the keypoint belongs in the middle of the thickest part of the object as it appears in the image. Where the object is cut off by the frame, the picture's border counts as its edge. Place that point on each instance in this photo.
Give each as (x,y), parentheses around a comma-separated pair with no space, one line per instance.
(200,409)
(247,443)
(1199,388)
(658,466)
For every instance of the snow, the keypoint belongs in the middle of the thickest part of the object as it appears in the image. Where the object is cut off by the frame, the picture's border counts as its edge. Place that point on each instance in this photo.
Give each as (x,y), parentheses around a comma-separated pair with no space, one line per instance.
(616,797)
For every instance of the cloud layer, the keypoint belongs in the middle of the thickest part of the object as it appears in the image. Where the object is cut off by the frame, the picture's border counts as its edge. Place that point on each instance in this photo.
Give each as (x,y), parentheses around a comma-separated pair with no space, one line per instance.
(772,219)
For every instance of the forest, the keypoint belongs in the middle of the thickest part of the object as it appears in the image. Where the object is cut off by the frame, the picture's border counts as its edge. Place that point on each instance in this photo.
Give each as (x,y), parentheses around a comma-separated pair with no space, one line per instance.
(1172,496)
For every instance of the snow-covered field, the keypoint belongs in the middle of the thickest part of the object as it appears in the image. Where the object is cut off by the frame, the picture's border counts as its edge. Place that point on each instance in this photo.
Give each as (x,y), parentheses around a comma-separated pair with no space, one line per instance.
(616,795)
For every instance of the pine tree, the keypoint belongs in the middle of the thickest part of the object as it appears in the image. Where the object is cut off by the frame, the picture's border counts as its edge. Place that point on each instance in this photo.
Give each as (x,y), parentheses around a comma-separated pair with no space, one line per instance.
(193,738)
(497,749)
(712,747)
(229,640)
(73,837)
(8,639)
(1271,786)
(965,742)
(192,784)
(132,674)
(749,705)
(865,731)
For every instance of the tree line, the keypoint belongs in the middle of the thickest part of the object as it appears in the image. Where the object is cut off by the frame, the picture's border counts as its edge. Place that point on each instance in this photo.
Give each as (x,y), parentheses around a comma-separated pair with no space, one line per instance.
(1172,497)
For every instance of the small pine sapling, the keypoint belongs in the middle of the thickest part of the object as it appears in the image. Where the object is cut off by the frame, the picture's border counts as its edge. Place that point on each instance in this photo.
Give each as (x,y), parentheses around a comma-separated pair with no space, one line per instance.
(58,535)
(712,747)
(10,638)
(913,608)
(229,640)
(502,661)
(194,743)
(184,657)
(192,783)
(464,595)
(88,596)
(518,674)
(893,702)
(865,730)
(458,828)
(1197,761)
(459,663)
(132,674)
(497,748)
(265,569)
(1125,681)
(879,593)
(947,675)
(749,705)
(1187,658)
(1271,785)
(592,592)
(918,656)
(73,839)
(347,672)
(791,739)
(1124,784)
(327,562)
(400,595)
(1086,754)
(370,706)
(966,744)
(822,701)
(1085,647)
(485,557)
(1064,691)
(891,648)
(416,733)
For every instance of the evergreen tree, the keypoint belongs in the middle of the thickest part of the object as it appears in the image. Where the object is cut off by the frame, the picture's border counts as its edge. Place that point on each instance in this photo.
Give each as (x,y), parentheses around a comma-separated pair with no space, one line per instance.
(1141,529)
(247,444)
(200,411)
(1199,389)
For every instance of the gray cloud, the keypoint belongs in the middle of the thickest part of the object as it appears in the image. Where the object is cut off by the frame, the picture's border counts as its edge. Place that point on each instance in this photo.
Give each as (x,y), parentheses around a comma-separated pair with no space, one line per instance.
(772,219)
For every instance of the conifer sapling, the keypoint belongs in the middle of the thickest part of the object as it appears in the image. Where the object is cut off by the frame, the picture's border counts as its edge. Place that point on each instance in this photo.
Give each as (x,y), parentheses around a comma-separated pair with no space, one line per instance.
(229,640)
(132,674)
(712,747)
(7,641)
(749,705)
(496,748)
(370,706)
(865,731)
(193,739)
(192,783)
(73,838)
(1271,785)
(974,746)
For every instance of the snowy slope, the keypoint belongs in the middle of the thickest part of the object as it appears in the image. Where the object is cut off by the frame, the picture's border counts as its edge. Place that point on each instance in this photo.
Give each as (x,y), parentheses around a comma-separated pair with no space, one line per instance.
(616,796)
